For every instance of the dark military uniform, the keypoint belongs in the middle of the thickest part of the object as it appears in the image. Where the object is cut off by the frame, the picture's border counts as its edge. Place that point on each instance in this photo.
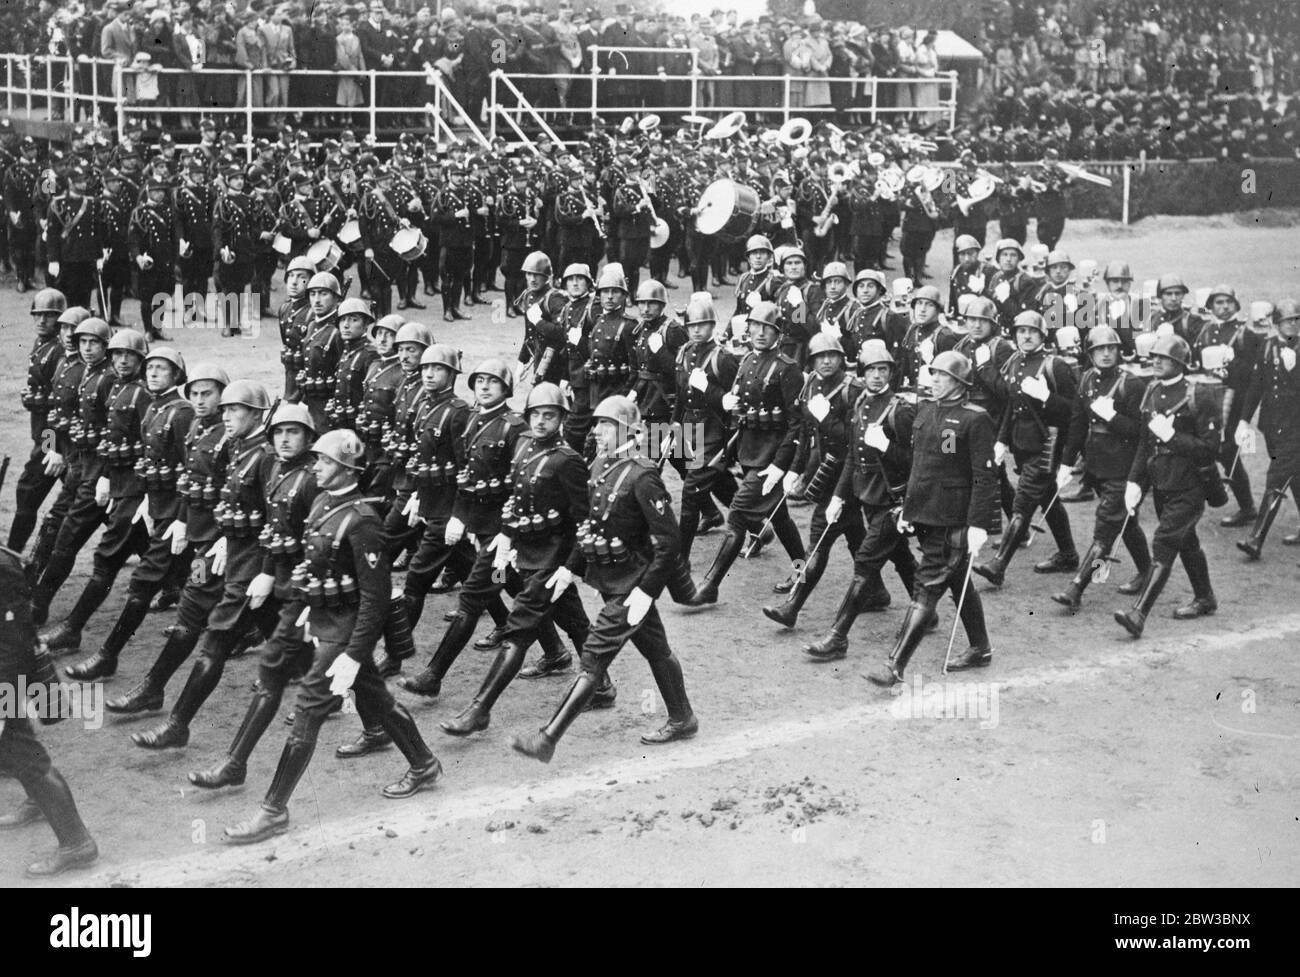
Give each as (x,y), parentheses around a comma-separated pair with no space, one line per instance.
(63,412)
(975,280)
(114,218)
(920,345)
(1274,389)
(20,185)
(796,303)
(577,319)
(322,350)
(990,390)
(72,240)
(38,399)
(294,317)
(634,227)
(456,240)
(751,284)
(195,204)
(399,448)
(544,338)
(152,233)
(346,407)
(1012,293)
(702,412)
(236,224)
(1246,347)
(609,364)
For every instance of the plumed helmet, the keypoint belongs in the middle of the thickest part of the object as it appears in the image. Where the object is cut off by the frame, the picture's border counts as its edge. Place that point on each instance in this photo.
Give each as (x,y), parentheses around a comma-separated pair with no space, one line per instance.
(547,395)
(342,446)
(250,393)
(293,414)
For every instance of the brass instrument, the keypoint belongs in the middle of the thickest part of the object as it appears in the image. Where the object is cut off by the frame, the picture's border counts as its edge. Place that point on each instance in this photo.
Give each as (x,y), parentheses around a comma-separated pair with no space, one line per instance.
(593,212)
(826,219)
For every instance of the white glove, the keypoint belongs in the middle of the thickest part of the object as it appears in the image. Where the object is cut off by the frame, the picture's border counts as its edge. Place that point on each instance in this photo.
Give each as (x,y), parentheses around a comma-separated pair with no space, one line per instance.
(144,261)
(560,581)
(877,438)
(183,248)
(574,335)
(218,554)
(101,492)
(753,298)
(412,511)
(975,540)
(771,475)
(730,402)
(54,269)
(1162,426)
(259,590)
(342,673)
(637,604)
(654,342)
(1063,476)
(927,350)
(455,530)
(982,354)
(142,515)
(1002,291)
(53,464)
(794,296)
(1104,407)
(534,314)
(999,453)
(504,554)
(819,407)
(790,480)
(228,256)
(176,532)
(1243,434)
(1288,358)
(1132,497)
(834,508)
(1035,387)
(699,380)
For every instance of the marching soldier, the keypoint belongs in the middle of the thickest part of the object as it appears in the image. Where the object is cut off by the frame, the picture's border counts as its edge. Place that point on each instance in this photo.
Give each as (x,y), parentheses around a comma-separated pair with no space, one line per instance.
(517,216)
(322,348)
(868,321)
(628,505)
(293,316)
(758,283)
(114,261)
(302,218)
(344,544)
(1057,298)
(580,230)
(236,234)
(1118,307)
(451,211)
(72,240)
(400,440)
(951,496)
(20,185)
(542,306)
(152,235)
(576,319)
(38,399)
(1173,318)
(635,216)
(970,275)
(927,336)
(838,308)
(1009,287)
(611,338)
(383,380)
(795,296)
(988,353)
(195,201)
(1174,461)
(344,409)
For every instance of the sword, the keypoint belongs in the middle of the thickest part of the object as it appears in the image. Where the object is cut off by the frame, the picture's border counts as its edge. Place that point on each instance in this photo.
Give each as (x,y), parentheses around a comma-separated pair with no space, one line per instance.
(1236,457)
(665,446)
(766,523)
(961,601)
(798,575)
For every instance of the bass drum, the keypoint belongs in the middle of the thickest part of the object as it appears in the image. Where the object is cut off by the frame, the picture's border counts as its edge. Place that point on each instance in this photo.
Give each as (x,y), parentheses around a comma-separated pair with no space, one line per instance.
(728,209)
(350,236)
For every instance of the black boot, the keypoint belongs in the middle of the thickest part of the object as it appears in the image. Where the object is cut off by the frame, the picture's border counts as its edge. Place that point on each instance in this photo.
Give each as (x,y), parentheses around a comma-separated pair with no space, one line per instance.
(1073,592)
(1242,517)
(204,678)
(548,665)
(76,847)
(1135,541)
(682,724)
(681,588)
(104,662)
(707,593)
(910,634)
(1066,557)
(1253,544)
(787,613)
(475,718)
(67,636)
(399,643)
(370,741)
(541,745)
(428,682)
(147,696)
(836,644)
(1012,538)
(979,652)
(1134,619)
(272,817)
(424,766)
(232,771)
(1203,602)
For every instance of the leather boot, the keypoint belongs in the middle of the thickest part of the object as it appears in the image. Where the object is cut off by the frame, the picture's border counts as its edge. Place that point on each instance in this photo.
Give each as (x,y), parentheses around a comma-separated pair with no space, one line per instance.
(424,766)
(232,771)
(787,613)
(52,577)
(399,643)
(1253,544)
(1135,541)
(104,662)
(28,812)
(476,717)
(1012,538)
(606,694)
(1073,592)
(1242,517)
(428,682)
(547,665)
(490,640)
(682,724)
(979,652)
(1203,602)
(204,678)
(76,847)
(1066,557)
(272,817)
(1134,619)
(370,741)
(67,636)
(147,696)
(836,644)
(166,599)
(681,588)
(910,634)
(728,550)
(541,745)
(45,537)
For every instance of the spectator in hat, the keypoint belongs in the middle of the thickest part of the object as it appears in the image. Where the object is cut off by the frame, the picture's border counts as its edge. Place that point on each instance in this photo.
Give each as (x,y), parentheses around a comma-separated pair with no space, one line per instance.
(250,54)
(348,56)
(189,51)
(316,44)
(820,59)
(117,43)
(219,48)
(797,52)
(281,58)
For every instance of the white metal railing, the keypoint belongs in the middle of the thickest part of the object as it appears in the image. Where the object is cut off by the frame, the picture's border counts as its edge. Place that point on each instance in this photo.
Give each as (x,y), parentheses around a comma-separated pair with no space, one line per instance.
(62,96)
(522,105)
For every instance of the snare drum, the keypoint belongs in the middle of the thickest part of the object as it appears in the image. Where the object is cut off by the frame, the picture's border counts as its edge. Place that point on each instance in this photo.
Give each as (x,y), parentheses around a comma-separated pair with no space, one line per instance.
(325,254)
(350,236)
(281,244)
(409,243)
(727,209)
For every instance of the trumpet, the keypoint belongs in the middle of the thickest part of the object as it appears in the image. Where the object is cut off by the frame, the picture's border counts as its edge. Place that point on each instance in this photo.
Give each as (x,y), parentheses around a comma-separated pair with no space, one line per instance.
(593,212)
(826,219)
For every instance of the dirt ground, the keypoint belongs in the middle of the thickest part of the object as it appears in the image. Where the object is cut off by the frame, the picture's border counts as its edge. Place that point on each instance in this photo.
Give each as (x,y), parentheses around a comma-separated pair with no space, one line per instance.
(1084,758)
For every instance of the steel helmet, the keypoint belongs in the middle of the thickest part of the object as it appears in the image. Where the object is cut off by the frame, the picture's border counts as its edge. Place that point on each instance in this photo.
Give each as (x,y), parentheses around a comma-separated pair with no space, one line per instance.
(98,328)
(49,300)
(874,352)
(979,307)
(342,446)
(355,306)
(74,316)
(495,367)
(249,393)
(926,293)
(1222,290)
(325,280)
(414,332)
(954,364)
(547,395)
(1099,336)
(1287,309)
(301,263)
(440,354)
(207,371)
(652,291)
(1173,347)
(1030,318)
(611,276)
(1117,271)
(129,340)
(168,354)
(578,270)
(836,269)
(1059,258)
(871,275)
(758,242)
(793,251)
(765,313)
(1167,283)
(700,309)
(392,322)
(824,342)
(1008,244)
(293,414)
(537,263)
(966,242)
(619,409)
